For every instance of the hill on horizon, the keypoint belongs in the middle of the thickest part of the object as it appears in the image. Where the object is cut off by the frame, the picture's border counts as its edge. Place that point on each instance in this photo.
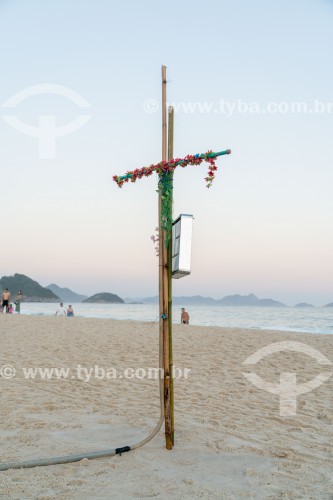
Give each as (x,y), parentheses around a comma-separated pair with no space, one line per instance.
(229,300)
(104,298)
(65,294)
(249,300)
(32,291)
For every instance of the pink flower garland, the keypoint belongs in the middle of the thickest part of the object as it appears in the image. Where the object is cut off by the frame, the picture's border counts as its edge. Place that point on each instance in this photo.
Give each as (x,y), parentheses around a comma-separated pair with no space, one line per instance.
(170,166)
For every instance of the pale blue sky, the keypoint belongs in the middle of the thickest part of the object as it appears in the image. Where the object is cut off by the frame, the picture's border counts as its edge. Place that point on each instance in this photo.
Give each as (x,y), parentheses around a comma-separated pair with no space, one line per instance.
(264,227)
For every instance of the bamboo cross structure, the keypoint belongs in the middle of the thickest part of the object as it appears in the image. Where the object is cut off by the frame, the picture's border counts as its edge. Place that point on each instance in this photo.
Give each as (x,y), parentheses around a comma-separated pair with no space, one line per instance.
(165,170)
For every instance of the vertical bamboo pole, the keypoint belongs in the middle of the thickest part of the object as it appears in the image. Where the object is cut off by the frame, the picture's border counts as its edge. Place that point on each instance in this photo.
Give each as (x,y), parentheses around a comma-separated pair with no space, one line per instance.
(164,313)
(170,157)
(164,114)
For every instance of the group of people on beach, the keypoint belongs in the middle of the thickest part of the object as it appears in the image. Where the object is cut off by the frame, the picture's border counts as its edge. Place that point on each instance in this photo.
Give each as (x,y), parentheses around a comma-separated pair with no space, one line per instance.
(61,311)
(6,304)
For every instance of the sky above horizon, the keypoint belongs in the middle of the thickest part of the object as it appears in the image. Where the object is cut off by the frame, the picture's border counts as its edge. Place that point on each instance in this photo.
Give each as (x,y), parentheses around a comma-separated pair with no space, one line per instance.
(236,71)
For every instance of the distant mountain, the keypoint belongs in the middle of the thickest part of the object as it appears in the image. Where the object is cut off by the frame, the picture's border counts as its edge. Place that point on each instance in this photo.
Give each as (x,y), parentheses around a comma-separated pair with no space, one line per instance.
(329,305)
(194,300)
(149,300)
(303,304)
(104,298)
(31,290)
(248,300)
(65,294)
(239,300)
(229,300)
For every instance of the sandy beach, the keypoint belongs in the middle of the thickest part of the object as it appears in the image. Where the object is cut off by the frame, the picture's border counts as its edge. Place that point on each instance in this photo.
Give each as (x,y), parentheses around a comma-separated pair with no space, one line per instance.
(230,440)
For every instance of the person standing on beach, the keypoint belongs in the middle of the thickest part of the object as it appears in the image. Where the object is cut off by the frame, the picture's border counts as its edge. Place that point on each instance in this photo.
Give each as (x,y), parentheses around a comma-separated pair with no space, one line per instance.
(184,317)
(5,300)
(18,302)
(61,311)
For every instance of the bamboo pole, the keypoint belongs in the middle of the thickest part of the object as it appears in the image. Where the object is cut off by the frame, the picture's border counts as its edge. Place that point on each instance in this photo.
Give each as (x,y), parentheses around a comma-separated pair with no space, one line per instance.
(163,287)
(164,114)
(170,157)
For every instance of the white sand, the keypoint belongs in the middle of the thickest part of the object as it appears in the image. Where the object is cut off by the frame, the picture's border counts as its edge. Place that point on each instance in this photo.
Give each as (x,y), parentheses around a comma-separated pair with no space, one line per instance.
(231,441)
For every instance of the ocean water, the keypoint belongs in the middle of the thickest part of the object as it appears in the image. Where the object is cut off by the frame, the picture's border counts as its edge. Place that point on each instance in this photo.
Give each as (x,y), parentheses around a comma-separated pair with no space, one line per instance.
(312,320)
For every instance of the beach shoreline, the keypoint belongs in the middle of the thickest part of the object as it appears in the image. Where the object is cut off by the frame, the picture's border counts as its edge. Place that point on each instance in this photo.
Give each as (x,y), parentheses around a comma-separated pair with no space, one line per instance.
(231,441)
(288,319)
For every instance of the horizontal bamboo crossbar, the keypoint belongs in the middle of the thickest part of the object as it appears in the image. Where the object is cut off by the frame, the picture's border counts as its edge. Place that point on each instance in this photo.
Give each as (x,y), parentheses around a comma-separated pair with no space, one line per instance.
(179,162)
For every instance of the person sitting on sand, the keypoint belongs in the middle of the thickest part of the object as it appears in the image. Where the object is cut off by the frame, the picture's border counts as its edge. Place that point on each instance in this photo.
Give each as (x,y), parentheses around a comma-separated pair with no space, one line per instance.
(70,311)
(184,317)
(11,309)
(61,311)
